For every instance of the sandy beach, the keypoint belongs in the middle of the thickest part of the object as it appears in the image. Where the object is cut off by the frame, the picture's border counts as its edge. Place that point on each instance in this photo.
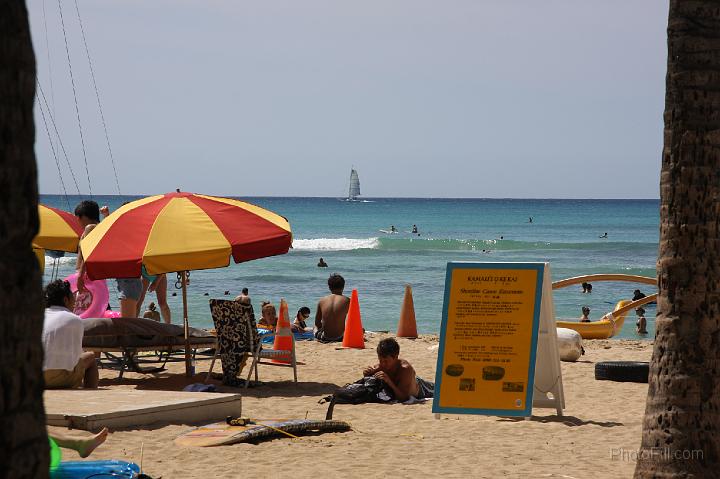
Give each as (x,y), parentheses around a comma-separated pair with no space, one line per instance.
(601,417)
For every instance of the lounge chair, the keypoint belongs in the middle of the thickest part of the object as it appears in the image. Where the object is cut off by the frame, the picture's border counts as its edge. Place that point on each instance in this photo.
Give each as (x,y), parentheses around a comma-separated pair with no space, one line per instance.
(131,336)
(239,340)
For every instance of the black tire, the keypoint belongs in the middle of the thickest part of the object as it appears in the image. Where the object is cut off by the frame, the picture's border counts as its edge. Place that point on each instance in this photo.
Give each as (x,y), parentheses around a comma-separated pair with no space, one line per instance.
(623,371)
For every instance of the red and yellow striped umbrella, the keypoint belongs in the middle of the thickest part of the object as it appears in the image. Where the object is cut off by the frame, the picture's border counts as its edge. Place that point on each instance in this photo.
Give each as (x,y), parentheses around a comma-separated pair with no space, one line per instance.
(181,232)
(59,230)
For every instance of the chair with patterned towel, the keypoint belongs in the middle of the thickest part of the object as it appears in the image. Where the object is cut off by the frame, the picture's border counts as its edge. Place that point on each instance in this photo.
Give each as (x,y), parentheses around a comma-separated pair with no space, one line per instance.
(238,339)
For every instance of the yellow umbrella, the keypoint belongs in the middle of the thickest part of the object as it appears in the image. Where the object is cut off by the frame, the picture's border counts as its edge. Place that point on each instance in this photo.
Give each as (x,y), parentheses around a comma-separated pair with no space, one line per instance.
(59,230)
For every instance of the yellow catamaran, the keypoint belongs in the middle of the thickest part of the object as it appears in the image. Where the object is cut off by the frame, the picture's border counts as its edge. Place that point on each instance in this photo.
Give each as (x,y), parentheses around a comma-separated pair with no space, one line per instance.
(610,324)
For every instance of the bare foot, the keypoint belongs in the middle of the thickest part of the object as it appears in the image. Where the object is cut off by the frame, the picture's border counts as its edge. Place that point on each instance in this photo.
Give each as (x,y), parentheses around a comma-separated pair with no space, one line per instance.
(89,445)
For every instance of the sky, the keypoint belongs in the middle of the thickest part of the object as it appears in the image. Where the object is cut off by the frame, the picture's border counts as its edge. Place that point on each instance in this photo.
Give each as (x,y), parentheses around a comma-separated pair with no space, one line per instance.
(455,98)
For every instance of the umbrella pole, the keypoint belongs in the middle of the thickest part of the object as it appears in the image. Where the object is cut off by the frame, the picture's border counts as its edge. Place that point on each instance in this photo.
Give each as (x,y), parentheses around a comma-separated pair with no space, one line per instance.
(185,324)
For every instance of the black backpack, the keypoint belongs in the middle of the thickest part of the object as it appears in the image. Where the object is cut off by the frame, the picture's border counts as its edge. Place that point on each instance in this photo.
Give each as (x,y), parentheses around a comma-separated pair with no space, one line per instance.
(365,390)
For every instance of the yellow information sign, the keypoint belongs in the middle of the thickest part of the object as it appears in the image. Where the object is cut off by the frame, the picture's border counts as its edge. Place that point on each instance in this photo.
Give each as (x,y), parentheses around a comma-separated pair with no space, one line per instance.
(488,338)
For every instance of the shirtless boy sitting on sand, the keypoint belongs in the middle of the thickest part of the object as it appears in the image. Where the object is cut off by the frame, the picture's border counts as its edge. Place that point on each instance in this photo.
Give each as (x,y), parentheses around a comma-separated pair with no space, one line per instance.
(397,373)
(331,311)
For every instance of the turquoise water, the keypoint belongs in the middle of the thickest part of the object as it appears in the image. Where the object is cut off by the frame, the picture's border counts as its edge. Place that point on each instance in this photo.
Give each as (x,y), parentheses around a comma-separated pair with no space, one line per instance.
(564,233)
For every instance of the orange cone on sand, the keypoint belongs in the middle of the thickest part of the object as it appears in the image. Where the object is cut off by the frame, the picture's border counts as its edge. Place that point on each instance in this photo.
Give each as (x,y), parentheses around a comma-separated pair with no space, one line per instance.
(353,337)
(283,334)
(407,328)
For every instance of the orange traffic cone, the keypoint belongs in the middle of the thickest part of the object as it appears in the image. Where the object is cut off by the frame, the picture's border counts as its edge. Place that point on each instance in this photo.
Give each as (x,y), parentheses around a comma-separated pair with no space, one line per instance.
(353,337)
(283,334)
(406,326)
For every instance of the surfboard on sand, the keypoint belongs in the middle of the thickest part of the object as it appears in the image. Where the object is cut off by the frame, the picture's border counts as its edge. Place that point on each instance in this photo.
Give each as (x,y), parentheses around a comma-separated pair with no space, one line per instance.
(221,433)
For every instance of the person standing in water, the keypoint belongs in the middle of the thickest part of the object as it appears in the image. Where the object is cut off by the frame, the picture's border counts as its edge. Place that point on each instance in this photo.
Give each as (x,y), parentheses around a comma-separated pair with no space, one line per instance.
(244,297)
(641,325)
(414,229)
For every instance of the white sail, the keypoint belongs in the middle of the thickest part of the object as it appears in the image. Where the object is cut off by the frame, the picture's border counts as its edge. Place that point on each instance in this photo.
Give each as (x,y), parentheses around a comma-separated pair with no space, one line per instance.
(354,185)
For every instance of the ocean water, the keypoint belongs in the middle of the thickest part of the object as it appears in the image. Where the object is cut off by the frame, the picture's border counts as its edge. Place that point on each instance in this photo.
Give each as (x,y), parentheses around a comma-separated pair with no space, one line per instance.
(564,233)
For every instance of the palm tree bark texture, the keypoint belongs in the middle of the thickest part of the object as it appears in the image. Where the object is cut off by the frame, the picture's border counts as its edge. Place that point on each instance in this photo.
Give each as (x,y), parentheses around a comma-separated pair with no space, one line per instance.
(23,437)
(681,428)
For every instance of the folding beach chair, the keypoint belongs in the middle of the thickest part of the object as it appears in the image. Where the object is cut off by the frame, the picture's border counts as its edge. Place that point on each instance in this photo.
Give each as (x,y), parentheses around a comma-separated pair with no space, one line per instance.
(239,340)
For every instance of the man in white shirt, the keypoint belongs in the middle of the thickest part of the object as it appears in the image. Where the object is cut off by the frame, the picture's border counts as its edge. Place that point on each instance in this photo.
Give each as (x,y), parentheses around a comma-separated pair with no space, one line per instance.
(65,365)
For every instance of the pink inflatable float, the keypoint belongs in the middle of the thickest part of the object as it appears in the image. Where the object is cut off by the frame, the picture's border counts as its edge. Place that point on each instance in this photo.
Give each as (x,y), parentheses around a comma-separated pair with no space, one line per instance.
(92,304)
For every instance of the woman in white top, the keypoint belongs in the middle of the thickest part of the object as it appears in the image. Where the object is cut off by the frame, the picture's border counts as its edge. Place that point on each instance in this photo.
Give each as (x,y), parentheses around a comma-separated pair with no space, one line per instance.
(65,364)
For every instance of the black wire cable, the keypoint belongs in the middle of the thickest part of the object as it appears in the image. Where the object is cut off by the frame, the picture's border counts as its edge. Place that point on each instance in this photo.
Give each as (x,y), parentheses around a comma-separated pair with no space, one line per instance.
(52,148)
(62,146)
(97,96)
(77,108)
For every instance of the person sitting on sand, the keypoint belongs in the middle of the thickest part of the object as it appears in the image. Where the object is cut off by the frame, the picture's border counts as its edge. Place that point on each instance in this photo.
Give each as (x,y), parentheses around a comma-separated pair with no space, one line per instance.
(65,365)
(268,315)
(299,325)
(84,443)
(322,263)
(585,318)
(331,311)
(243,297)
(641,325)
(397,373)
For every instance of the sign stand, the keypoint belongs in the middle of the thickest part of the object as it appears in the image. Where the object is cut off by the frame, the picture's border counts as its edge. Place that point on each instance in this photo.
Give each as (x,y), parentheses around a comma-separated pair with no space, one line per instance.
(548,389)
(498,350)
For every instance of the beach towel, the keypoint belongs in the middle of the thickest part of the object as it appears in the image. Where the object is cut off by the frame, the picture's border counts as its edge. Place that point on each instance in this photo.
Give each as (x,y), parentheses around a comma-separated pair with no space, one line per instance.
(299,335)
(426,392)
(427,389)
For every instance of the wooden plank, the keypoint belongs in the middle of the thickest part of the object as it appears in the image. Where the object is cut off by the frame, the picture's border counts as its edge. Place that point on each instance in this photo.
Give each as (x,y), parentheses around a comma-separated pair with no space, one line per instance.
(113,408)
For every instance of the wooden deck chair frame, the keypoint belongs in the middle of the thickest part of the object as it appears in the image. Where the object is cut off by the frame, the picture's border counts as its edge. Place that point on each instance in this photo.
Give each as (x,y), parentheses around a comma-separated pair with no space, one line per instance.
(256,352)
(259,353)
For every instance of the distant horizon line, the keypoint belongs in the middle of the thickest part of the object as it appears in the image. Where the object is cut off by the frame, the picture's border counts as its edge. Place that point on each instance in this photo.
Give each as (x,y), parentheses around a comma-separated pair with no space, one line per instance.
(365,197)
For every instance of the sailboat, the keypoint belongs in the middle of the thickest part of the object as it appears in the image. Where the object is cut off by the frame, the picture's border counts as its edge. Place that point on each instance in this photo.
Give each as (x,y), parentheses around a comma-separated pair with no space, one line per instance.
(354,190)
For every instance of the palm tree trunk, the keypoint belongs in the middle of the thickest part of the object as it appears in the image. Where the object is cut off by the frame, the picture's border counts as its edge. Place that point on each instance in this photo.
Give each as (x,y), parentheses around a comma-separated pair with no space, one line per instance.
(681,429)
(23,439)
